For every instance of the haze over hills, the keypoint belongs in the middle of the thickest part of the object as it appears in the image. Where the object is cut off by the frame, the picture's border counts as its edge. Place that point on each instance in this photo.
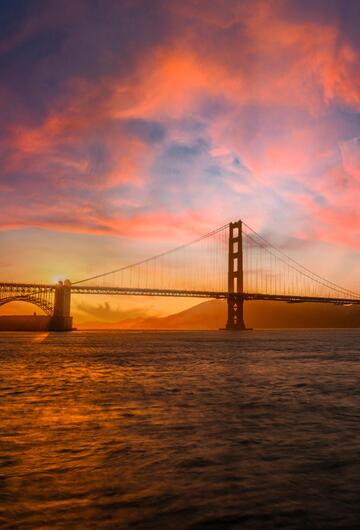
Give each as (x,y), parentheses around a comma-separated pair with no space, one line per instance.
(212,315)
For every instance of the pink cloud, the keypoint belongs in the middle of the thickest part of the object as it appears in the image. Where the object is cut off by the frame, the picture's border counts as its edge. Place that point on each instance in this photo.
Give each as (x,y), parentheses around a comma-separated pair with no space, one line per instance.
(299,69)
(350,155)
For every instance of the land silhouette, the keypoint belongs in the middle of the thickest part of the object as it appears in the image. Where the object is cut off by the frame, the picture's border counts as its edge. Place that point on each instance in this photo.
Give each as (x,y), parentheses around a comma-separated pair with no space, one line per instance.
(212,315)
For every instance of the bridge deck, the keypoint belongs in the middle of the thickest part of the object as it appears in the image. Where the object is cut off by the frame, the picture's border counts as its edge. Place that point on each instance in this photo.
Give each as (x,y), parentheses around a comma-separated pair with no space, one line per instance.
(88,289)
(207,294)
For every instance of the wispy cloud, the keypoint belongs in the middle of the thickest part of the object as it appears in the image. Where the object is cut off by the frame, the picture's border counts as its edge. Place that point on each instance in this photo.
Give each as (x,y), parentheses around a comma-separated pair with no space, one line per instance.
(211,112)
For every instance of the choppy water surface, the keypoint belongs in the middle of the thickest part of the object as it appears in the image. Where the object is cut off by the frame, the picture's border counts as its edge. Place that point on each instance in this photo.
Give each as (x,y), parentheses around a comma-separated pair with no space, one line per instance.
(180,430)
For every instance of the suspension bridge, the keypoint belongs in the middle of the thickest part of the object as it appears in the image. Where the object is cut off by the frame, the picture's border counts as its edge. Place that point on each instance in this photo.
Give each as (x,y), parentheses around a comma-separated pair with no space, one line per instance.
(233,263)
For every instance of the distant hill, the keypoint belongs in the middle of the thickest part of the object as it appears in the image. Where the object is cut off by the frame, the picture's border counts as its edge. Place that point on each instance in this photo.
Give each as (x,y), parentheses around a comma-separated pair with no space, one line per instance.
(212,315)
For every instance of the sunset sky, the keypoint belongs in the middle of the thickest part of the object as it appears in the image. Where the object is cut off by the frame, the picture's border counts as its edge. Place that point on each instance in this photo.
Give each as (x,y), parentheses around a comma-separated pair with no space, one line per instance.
(131,126)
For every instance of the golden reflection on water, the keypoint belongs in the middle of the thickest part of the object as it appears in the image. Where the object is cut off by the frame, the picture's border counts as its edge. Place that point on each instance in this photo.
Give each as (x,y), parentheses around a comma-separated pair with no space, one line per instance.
(178,431)
(40,337)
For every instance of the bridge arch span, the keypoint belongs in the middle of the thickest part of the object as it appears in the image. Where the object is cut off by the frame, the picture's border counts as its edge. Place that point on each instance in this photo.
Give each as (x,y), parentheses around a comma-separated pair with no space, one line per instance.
(41,304)
(54,300)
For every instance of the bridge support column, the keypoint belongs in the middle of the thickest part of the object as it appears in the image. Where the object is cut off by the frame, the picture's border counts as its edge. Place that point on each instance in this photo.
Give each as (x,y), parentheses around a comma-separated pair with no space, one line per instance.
(61,319)
(235,299)
(235,319)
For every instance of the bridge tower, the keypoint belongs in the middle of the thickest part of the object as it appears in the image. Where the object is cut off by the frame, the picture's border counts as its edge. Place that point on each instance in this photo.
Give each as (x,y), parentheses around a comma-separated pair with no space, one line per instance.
(235,299)
(61,319)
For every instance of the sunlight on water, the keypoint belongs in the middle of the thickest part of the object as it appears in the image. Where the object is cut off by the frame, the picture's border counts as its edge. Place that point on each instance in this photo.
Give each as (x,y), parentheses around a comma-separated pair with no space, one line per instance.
(180,430)
(40,337)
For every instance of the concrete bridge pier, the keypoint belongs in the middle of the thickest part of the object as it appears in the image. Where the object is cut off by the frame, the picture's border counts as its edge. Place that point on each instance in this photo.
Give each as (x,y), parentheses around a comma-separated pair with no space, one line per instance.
(61,319)
(235,321)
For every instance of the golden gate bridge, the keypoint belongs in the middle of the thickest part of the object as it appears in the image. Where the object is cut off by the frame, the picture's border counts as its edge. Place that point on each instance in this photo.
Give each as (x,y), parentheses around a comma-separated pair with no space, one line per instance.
(233,263)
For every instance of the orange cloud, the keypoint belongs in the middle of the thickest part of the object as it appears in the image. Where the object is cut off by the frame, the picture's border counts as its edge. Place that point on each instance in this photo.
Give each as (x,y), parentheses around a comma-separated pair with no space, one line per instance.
(248,57)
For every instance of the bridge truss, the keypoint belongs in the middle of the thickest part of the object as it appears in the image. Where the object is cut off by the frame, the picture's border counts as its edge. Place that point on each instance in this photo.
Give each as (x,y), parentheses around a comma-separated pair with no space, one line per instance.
(39,295)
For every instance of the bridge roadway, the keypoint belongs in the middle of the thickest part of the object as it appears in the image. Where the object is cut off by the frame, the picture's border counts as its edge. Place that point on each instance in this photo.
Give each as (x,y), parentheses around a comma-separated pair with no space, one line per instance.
(22,288)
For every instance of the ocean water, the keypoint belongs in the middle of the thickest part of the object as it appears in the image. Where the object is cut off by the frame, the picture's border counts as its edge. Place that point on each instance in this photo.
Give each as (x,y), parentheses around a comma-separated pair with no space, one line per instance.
(182,430)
